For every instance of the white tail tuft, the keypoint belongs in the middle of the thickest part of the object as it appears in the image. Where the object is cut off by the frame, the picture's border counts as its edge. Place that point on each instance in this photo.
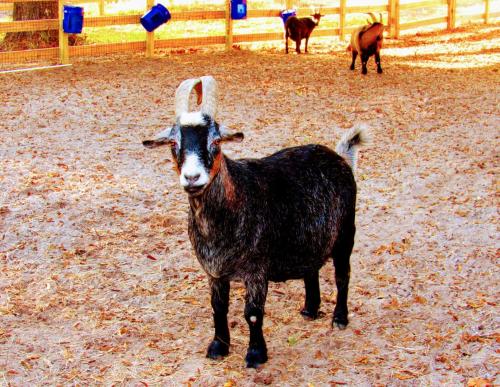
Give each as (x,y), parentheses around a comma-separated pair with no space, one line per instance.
(350,142)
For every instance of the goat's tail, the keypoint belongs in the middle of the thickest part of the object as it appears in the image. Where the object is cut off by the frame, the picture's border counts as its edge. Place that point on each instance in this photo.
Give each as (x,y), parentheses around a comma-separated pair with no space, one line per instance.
(350,142)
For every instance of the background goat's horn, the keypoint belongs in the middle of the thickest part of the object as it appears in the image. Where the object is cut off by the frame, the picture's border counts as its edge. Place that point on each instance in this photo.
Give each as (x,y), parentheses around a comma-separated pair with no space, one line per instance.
(374,18)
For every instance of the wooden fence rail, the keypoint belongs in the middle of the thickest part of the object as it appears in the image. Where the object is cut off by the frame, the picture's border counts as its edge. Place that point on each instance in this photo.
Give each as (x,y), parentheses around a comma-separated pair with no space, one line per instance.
(64,52)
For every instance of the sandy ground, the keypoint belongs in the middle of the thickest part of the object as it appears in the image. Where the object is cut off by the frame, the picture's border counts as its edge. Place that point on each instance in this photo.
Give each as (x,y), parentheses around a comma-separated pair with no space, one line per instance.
(98,282)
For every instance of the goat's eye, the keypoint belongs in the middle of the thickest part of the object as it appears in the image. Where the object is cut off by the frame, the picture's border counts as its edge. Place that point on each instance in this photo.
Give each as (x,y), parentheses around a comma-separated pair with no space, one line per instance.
(216,142)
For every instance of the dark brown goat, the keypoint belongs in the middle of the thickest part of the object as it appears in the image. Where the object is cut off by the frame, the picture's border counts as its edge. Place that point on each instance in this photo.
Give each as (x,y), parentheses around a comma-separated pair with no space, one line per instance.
(367,41)
(300,28)
(276,218)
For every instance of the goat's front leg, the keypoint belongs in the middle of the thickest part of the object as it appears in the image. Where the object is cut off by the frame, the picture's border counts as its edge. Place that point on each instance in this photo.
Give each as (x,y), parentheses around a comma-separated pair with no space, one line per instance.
(255,299)
(219,347)
(377,61)
(286,42)
(307,41)
(364,61)
(297,45)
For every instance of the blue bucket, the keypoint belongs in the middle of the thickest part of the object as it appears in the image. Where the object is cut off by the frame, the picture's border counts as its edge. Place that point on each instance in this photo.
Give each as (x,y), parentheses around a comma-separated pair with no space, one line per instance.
(287,13)
(156,16)
(72,19)
(238,9)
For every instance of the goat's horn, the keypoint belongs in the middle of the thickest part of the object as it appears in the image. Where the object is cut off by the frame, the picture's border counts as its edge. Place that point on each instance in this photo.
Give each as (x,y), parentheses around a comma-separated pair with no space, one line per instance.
(206,90)
(182,95)
(209,93)
(374,18)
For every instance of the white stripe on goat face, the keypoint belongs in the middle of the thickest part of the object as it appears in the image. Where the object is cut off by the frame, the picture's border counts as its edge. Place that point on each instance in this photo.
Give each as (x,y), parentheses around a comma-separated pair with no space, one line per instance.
(192,168)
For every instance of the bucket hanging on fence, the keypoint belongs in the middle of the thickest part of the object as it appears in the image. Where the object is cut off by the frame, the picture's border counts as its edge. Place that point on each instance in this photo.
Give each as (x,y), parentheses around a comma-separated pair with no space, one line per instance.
(238,9)
(72,19)
(287,13)
(155,17)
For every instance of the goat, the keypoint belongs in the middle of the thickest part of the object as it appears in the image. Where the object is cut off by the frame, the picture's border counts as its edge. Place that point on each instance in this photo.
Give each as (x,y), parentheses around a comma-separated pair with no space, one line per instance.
(300,28)
(276,218)
(367,41)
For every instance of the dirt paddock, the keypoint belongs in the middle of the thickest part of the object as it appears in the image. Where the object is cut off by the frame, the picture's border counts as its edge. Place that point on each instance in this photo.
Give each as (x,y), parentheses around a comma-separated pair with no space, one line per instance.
(98,282)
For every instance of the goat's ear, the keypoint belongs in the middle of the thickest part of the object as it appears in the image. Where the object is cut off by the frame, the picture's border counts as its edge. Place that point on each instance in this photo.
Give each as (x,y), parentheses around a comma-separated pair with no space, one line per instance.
(226,135)
(156,142)
(163,138)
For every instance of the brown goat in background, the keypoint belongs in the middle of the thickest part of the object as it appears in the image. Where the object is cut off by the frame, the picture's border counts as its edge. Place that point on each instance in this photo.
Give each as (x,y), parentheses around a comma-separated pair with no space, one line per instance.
(300,28)
(367,41)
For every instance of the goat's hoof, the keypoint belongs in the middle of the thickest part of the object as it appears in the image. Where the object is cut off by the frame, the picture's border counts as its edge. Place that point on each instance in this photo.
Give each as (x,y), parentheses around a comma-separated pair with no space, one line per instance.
(311,314)
(364,71)
(217,350)
(340,321)
(255,357)
(379,70)
(351,68)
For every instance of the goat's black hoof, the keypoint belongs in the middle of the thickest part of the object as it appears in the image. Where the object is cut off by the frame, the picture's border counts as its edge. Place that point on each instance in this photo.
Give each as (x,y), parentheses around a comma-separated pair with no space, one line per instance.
(364,71)
(351,68)
(379,70)
(255,357)
(311,314)
(217,350)
(340,321)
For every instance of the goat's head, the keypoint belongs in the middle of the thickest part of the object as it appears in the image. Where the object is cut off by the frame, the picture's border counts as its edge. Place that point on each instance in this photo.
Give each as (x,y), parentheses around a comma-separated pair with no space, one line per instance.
(316,15)
(195,138)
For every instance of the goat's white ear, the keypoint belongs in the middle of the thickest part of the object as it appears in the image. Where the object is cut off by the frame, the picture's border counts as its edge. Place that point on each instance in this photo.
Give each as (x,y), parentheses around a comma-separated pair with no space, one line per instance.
(163,138)
(226,135)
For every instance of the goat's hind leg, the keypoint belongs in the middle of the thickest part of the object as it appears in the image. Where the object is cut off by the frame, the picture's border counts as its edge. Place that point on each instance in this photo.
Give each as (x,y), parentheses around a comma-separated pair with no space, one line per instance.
(297,45)
(219,347)
(377,61)
(341,260)
(354,56)
(313,297)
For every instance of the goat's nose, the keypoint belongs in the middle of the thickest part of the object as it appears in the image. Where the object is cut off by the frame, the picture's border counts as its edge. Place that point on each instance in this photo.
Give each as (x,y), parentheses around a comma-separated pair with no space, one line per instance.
(191,179)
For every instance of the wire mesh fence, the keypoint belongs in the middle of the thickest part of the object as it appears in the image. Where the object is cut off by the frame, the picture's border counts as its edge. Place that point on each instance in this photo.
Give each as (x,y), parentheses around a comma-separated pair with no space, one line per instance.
(31,30)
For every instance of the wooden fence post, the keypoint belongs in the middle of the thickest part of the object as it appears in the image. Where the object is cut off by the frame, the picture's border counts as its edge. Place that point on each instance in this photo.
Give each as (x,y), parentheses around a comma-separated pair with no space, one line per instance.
(101,7)
(229,26)
(486,11)
(452,12)
(342,19)
(150,36)
(394,18)
(63,37)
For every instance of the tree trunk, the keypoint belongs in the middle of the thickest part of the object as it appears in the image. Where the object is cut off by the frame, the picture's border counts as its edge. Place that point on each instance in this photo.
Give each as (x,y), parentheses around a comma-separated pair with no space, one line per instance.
(34,39)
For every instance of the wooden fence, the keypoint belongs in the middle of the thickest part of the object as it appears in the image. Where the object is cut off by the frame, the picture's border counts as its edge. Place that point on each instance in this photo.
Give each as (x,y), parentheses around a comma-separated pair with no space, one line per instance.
(64,52)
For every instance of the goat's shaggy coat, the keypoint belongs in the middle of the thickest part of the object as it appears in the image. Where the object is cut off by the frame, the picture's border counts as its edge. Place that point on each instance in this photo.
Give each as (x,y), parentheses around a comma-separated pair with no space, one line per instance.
(272,219)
